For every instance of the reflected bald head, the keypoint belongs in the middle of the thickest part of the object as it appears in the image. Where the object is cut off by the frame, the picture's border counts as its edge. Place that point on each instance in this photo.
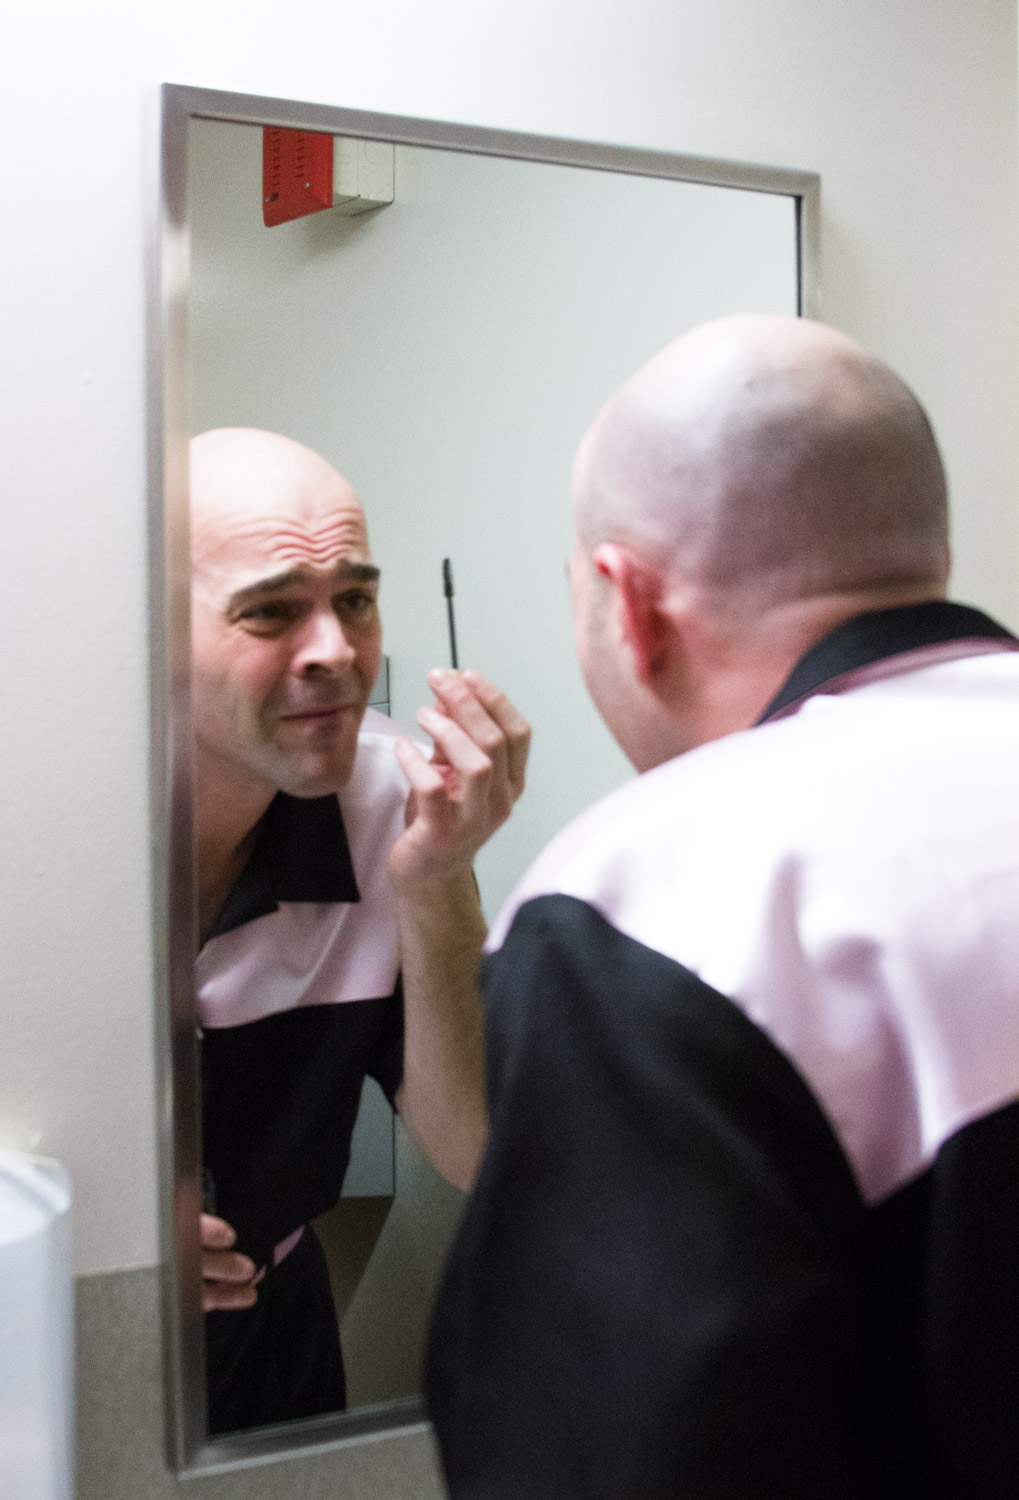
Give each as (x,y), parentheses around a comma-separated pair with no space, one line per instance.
(245,482)
(766,460)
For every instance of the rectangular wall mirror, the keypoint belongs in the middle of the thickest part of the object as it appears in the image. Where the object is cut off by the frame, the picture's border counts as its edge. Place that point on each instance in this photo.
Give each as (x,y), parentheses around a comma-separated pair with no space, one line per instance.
(442,334)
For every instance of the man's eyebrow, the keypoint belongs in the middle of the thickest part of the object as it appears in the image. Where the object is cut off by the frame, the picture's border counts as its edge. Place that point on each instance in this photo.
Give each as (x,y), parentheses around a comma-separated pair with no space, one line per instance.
(345,572)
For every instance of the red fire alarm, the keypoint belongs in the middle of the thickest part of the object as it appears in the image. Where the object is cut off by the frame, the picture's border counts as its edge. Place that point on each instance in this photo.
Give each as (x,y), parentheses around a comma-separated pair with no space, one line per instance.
(297,174)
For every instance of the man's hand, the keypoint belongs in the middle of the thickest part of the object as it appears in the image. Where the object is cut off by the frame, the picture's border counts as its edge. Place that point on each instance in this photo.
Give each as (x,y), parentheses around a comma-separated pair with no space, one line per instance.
(466,791)
(226,1276)
(458,799)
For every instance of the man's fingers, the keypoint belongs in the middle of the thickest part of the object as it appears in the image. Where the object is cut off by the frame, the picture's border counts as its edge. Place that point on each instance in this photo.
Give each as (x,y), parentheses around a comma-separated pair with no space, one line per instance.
(509,719)
(458,700)
(227,1276)
(216,1234)
(489,718)
(219,1262)
(507,716)
(426,777)
(227,1265)
(467,789)
(220,1296)
(470,762)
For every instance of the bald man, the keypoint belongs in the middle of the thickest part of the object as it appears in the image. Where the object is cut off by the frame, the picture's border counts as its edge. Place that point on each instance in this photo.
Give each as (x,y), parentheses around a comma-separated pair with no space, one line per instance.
(318,887)
(747,1226)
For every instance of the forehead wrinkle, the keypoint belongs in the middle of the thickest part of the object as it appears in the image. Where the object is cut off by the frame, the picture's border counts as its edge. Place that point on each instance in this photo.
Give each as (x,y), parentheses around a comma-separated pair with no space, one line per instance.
(317,549)
(284,539)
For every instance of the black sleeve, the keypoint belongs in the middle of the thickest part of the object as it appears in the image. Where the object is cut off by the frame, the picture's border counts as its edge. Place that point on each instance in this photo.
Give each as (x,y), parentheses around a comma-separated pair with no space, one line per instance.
(386,1066)
(657,1290)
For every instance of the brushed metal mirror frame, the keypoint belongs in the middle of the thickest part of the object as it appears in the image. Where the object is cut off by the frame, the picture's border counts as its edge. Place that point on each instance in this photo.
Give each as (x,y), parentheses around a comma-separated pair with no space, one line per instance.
(190,1451)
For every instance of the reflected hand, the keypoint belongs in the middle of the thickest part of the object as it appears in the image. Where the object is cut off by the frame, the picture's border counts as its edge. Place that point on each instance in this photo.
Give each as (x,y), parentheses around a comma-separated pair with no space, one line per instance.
(466,791)
(227,1276)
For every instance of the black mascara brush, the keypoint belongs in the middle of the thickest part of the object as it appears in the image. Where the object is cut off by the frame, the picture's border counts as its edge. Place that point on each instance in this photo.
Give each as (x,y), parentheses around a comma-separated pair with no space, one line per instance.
(447,589)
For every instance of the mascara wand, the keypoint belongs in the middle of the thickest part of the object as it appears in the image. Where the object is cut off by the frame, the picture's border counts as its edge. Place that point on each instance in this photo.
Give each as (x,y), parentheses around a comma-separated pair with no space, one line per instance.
(447,589)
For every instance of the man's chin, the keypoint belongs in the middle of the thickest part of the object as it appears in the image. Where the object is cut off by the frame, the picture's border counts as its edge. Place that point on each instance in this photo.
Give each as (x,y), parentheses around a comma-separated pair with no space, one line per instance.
(318,778)
(320,785)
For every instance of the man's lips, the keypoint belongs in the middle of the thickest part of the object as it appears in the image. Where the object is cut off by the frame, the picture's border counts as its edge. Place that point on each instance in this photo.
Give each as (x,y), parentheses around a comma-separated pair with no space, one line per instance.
(323,715)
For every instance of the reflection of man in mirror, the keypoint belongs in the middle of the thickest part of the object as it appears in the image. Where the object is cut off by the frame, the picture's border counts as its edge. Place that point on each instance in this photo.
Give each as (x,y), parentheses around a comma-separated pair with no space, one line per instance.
(318,888)
(747,1226)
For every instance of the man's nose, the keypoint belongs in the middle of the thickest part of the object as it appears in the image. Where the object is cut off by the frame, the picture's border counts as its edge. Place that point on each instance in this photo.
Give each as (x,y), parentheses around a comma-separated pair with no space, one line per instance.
(324,646)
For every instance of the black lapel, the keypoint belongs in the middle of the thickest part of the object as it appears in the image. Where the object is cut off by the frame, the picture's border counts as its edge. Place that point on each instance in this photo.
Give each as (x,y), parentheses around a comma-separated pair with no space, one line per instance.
(301,854)
(881,633)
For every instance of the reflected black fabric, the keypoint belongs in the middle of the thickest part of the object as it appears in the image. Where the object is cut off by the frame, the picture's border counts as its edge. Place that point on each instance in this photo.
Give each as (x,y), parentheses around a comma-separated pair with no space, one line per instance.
(300,854)
(281,1094)
(280,1099)
(666,1284)
(280,1360)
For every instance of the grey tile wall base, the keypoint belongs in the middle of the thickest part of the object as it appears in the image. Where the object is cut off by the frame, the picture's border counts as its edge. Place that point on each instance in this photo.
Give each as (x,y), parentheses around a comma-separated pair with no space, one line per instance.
(120,1444)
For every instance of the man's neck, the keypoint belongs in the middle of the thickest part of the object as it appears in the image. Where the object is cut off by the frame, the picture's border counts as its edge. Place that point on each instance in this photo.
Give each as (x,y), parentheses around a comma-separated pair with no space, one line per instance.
(732,677)
(800,627)
(226,816)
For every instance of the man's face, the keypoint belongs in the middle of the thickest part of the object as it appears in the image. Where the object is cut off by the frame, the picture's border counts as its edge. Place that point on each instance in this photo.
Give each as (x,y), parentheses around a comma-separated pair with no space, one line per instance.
(286,644)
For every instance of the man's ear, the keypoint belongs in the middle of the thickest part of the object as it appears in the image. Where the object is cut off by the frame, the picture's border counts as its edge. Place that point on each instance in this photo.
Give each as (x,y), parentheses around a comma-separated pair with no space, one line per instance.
(639,589)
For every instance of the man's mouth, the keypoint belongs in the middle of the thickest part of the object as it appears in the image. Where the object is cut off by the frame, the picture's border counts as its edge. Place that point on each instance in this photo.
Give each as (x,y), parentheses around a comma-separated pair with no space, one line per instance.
(325,715)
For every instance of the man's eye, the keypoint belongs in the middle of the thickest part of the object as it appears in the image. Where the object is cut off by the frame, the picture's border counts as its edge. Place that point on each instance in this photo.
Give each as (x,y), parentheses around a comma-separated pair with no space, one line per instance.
(356,602)
(268,615)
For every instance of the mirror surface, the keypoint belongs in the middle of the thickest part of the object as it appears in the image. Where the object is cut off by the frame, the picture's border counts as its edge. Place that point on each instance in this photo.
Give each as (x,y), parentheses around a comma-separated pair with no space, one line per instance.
(445,353)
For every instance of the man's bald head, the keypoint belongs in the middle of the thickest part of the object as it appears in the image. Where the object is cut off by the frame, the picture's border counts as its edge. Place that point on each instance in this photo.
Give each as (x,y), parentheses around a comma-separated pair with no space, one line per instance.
(244,481)
(766,460)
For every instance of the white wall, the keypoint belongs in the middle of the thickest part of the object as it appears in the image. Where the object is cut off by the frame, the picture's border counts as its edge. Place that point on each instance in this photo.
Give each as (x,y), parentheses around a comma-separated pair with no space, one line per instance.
(906,107)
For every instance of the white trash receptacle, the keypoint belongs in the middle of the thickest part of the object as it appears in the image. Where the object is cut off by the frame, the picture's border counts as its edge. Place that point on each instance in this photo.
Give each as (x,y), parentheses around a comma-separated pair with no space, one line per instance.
(36,1329)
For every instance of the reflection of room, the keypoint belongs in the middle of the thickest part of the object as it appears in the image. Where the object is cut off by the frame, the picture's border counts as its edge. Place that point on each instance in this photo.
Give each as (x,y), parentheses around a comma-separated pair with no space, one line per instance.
(445,352)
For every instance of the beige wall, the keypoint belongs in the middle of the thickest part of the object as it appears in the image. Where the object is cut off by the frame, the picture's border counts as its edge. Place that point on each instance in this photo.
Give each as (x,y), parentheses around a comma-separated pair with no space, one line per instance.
(906,107)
